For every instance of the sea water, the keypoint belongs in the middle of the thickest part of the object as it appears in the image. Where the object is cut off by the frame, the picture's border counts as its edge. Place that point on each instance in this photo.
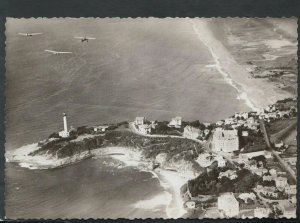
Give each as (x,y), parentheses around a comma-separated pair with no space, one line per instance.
(156,69)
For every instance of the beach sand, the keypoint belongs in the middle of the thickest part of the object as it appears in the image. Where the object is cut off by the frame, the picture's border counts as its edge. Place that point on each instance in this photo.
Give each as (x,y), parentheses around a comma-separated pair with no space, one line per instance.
(257,93)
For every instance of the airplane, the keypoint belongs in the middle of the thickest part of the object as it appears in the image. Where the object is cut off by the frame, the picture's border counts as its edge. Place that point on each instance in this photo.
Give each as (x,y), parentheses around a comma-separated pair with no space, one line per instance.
(84,38)
(30,34)
(56,52)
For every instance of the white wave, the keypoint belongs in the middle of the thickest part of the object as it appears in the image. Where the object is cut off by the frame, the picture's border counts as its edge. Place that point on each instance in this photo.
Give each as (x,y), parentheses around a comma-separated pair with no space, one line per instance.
(159,200)
(242,94)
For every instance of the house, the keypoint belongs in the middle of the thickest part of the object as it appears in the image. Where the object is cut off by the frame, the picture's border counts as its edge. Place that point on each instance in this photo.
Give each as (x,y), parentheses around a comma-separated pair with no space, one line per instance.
(267,178)
(175,122)
(266,154)
(219,123)
(205,159)
(245,133)
(190,204)
(273,172)
(229,121)
(269,191)
(225,140)
(261,212)
(144,128)
(243,115)
(191,132)
(260,172)
(293,199)
(100,128)
(228,204)
(140,120)
(279,144)
(221,161)
(231,174)
(246,196)
(280,183)
(64,133)
(288,209)
(290,189)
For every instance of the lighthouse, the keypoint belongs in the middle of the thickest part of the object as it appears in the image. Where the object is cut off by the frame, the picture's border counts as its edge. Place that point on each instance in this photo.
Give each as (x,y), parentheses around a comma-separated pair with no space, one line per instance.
(65,122)
(64,133)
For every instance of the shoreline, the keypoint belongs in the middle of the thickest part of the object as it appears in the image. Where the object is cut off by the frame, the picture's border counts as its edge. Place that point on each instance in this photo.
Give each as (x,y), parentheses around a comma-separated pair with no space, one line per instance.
(170,181)
(256,93)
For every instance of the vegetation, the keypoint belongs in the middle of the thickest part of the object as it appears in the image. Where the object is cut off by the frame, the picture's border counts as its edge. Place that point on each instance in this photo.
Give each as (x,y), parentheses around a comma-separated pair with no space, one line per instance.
(208,183)
(174,148)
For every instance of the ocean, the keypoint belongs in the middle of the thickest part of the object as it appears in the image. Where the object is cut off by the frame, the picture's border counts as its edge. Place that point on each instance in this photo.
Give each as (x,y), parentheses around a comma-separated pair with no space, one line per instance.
(135,67)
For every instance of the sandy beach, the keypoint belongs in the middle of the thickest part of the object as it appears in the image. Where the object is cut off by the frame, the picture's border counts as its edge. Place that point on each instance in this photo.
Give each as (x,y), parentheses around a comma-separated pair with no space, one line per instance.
(257,93)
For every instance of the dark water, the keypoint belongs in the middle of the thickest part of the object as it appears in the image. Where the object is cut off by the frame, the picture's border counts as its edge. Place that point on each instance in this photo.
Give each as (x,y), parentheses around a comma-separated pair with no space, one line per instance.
(88,189)
(154,68)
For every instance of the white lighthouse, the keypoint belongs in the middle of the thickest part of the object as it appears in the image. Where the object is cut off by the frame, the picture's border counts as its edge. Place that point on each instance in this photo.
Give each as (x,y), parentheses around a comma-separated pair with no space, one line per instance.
(65,133)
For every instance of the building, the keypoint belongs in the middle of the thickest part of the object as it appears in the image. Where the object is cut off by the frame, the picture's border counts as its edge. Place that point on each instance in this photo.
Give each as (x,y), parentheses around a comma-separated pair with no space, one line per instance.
(280,183)
(266,154)
(290,189)
(190,204)
(259,171)
(225,140)
(247,196)
(140,120)
(144,129)
(279,144)
(267,178)
(245,133)
(64,133)
(221,161)
(261,212)
(243,115)
(228,204)
(175,122)
(269,191)
(230,174)
(191,132)
(100,128)
(219,123)
(205,159)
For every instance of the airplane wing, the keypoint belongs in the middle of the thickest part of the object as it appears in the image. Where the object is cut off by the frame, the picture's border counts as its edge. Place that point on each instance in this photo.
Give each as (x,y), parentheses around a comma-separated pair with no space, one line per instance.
(23,34)
(90,38)
(57,52)
(51,51)
(34,34)
(78,37)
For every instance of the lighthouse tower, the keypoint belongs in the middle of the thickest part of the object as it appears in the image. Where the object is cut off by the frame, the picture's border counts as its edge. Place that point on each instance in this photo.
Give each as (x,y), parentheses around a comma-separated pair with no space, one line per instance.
(65,133)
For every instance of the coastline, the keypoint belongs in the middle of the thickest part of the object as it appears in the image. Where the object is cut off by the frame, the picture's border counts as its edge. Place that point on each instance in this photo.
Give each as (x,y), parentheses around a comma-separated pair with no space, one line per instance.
(169,180)
(256,93)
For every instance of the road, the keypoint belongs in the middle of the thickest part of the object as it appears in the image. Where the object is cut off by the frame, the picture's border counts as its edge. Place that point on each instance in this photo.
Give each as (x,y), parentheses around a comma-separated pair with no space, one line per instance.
(284,165)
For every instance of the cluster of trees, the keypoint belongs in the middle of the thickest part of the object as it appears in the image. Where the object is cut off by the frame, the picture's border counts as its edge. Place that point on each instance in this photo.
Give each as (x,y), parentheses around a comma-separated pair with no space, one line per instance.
(208,183)
(162,128)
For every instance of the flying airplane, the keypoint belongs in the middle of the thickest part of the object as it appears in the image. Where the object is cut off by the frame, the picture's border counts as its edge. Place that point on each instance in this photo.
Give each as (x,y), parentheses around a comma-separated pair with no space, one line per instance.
(56,52)
(30,34)
(84,38)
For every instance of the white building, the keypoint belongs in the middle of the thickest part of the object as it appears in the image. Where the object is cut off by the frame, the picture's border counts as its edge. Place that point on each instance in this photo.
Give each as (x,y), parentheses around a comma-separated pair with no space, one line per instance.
(221,161)
(205,159)
(191,132)
(64,133)
(100,128)
(190,204)
(280,183)
(230,174)
(261,212)
(247,196)
(225,140)
(290,189)
(228,204)
(139,120)
(279,144)
(144,129)
(245,133)
(175,122)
